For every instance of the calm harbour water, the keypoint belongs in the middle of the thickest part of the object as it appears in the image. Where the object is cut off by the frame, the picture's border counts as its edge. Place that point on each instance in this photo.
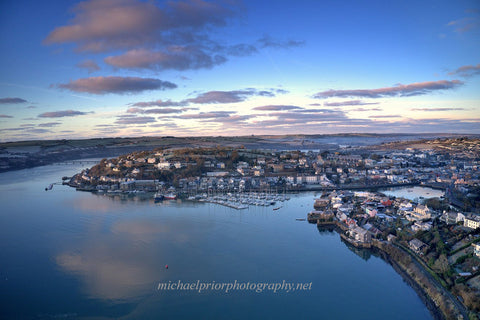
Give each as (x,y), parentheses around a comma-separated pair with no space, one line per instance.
(416,193)
(69,254)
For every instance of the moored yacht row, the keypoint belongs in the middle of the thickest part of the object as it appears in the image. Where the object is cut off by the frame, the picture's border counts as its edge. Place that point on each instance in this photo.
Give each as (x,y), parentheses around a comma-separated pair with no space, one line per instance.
(241,200)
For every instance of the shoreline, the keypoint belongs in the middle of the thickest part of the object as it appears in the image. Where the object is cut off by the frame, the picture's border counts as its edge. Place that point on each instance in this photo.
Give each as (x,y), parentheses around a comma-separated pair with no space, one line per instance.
(426,299)
(435,295)
(440,308)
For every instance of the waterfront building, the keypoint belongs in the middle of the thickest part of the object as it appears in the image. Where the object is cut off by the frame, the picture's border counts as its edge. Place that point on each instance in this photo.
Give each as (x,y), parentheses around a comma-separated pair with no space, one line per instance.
(472,222)
(321,203)
(417,245)
(360,234)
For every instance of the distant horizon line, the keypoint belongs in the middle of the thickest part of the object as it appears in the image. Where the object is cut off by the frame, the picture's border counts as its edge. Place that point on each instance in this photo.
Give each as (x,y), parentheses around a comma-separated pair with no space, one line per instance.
(439,134)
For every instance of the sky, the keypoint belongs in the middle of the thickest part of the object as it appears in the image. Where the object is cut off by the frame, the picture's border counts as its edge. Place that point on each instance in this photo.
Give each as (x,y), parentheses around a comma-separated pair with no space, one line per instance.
(127,68)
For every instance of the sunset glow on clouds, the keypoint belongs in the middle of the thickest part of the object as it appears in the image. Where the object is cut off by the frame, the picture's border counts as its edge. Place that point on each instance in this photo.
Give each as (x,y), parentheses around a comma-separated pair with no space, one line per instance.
(103,68)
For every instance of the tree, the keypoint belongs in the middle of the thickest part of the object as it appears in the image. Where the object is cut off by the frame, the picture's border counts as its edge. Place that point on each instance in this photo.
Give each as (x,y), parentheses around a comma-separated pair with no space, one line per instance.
(441,264)
(435,204)
(234,156)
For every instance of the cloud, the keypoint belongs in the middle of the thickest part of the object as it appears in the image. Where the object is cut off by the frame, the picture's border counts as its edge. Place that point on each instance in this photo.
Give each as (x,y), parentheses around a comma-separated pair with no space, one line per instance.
(170,125)
(103,25)
(241,50)
(11,129)
(207,115)
(37,131)
(99,25)
(348,103)
(436,125)
(227,118)
(5,116)
(31,107)
(61,114)
(173,57)
(49,124)
(401,90)
(233,119)
(211,97)
(12,100)
(90,65)
(281,91)
(467,71)
(269,42)
(172,35)
(276,108)
(368,125)
(26,130)
(132,119)
(220,97)
(156,111)
(301,110)
(299,116)
(437,109)
(466,24)
(161,103)
(385,116)
(104,125)
(120,85)
(364,109)
(229,96)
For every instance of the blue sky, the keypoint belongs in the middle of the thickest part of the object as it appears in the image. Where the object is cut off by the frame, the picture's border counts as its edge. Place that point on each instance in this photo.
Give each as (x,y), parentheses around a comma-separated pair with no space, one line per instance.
(106,68)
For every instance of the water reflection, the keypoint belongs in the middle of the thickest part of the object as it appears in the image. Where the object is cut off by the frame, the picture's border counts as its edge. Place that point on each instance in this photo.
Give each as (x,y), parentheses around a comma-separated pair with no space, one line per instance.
(110,267)
(326,230)
(90,203)
(363,253)
(123,262)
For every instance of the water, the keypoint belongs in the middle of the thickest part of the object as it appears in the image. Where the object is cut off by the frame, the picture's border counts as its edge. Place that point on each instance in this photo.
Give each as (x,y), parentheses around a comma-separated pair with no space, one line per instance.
(413,193)
(69,254)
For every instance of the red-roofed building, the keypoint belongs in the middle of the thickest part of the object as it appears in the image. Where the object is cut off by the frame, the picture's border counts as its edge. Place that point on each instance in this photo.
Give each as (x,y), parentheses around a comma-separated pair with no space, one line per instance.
(387,203)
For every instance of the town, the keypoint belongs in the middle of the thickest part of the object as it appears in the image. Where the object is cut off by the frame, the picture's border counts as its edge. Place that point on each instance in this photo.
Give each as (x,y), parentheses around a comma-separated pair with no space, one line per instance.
(433,240)
(448,164)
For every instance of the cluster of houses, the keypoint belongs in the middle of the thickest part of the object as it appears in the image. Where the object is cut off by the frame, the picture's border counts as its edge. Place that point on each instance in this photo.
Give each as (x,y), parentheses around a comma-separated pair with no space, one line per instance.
(365,215)
(296,170)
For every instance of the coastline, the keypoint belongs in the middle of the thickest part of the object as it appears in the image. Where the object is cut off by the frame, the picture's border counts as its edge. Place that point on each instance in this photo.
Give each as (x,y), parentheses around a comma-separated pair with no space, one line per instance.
(436,298)
(426,299)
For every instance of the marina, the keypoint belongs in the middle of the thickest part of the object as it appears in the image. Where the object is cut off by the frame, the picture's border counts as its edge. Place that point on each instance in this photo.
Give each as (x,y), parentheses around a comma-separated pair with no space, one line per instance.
(241,201)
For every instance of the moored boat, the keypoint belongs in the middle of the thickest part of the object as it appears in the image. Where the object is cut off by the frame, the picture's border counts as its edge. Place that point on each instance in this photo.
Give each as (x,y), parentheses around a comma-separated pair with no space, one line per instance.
(158,197)
(170,196)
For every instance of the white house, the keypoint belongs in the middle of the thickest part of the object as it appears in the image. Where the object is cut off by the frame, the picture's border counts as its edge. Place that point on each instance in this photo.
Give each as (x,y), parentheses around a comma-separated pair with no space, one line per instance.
(472,222)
